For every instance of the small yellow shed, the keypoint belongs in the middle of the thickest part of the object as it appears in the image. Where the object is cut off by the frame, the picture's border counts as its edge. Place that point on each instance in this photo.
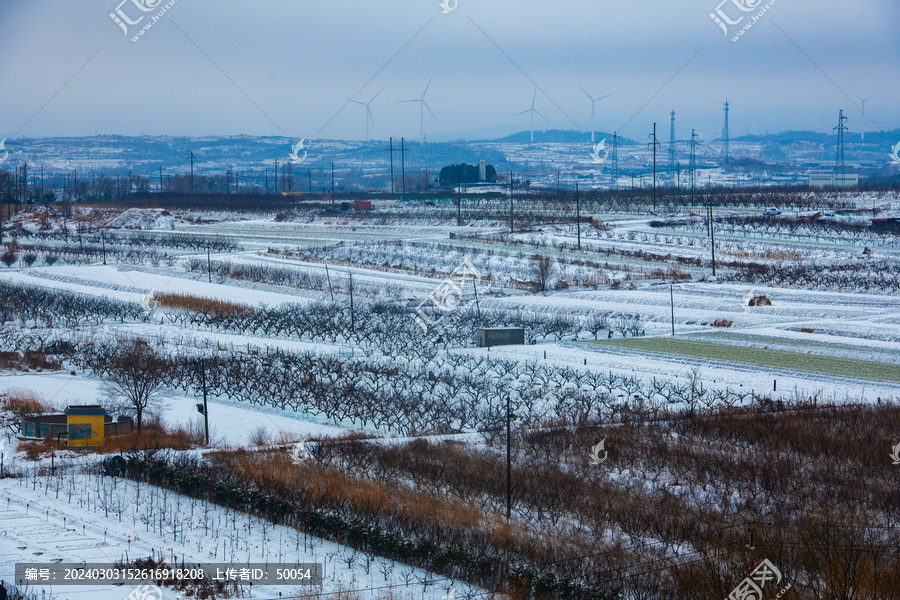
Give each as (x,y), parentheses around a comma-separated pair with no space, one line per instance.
(85,425)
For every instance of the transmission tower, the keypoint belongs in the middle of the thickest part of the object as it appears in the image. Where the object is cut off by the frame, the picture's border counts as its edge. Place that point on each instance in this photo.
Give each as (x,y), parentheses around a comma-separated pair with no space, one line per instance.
(839,159)
(654,142)
(726,137)
(672,142)
(693,161)
(615,161)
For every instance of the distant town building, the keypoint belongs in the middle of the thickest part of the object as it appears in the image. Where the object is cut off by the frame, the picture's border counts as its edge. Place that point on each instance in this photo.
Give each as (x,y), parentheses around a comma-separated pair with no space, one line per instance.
(453,175)
(823,179)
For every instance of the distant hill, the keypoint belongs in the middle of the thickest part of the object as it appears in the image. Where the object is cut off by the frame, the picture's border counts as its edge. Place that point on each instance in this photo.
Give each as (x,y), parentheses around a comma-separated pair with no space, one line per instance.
(786,138)
(560,136)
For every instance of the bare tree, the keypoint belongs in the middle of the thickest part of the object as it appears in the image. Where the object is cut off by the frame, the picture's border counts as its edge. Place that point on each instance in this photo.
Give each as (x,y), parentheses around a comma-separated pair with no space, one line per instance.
(135,373)
(543,268)
(9,257)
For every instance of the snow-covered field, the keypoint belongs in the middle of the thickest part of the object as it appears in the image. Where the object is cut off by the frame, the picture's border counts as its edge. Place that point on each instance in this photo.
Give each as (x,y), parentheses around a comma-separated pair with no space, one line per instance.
(77,515)
(72,523)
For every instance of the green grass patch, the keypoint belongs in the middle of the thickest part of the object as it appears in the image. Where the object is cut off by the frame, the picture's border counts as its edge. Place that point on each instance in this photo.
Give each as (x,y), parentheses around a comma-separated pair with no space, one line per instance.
(790,343)
(761,357)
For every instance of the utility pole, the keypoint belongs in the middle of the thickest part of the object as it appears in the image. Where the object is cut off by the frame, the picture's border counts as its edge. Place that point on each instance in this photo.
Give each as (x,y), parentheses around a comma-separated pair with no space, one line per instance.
(511,202)
(309,177)
(459,196)
(160,179)
(678,171)
(693,161)
(508,460)
(392,165)
(655,143)
(276,178)
(726,136)
(672,142)
(712,237)
(672,304)
(330,288)
(208,263)
(103,239)
(332,185)
(202,367)
(352,316)
(477,307)
(615,160)
(192,172)
(578,214)
(403,152)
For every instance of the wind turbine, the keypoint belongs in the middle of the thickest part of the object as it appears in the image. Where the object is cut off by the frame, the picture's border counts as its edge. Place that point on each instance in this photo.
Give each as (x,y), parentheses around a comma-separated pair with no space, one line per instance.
(593,106)
(368,111)
(532,110)
(422,106)
(862,135)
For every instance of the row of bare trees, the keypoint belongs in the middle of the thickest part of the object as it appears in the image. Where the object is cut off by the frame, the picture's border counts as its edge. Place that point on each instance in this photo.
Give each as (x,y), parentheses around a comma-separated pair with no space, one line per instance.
(689,518)
(448,393)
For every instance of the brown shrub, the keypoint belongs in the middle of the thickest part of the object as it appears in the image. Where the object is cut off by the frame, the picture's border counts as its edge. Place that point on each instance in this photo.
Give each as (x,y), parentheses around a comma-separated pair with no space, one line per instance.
(37,449)
(153,439)
(209,306)
(25,403)
(722,323)
(759,301)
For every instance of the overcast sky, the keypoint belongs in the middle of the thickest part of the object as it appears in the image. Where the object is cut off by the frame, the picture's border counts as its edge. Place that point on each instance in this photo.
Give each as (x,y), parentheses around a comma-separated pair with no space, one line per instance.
(287,67)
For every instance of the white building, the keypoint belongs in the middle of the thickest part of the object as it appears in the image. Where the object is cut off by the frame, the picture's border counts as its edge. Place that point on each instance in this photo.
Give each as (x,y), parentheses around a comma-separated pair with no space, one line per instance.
(823,179)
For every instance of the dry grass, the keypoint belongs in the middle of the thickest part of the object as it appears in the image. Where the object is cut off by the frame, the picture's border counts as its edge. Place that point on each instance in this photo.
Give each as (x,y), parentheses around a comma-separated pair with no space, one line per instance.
(153,438)
(209,306)
(38,449)
(24,402)
(147,439)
